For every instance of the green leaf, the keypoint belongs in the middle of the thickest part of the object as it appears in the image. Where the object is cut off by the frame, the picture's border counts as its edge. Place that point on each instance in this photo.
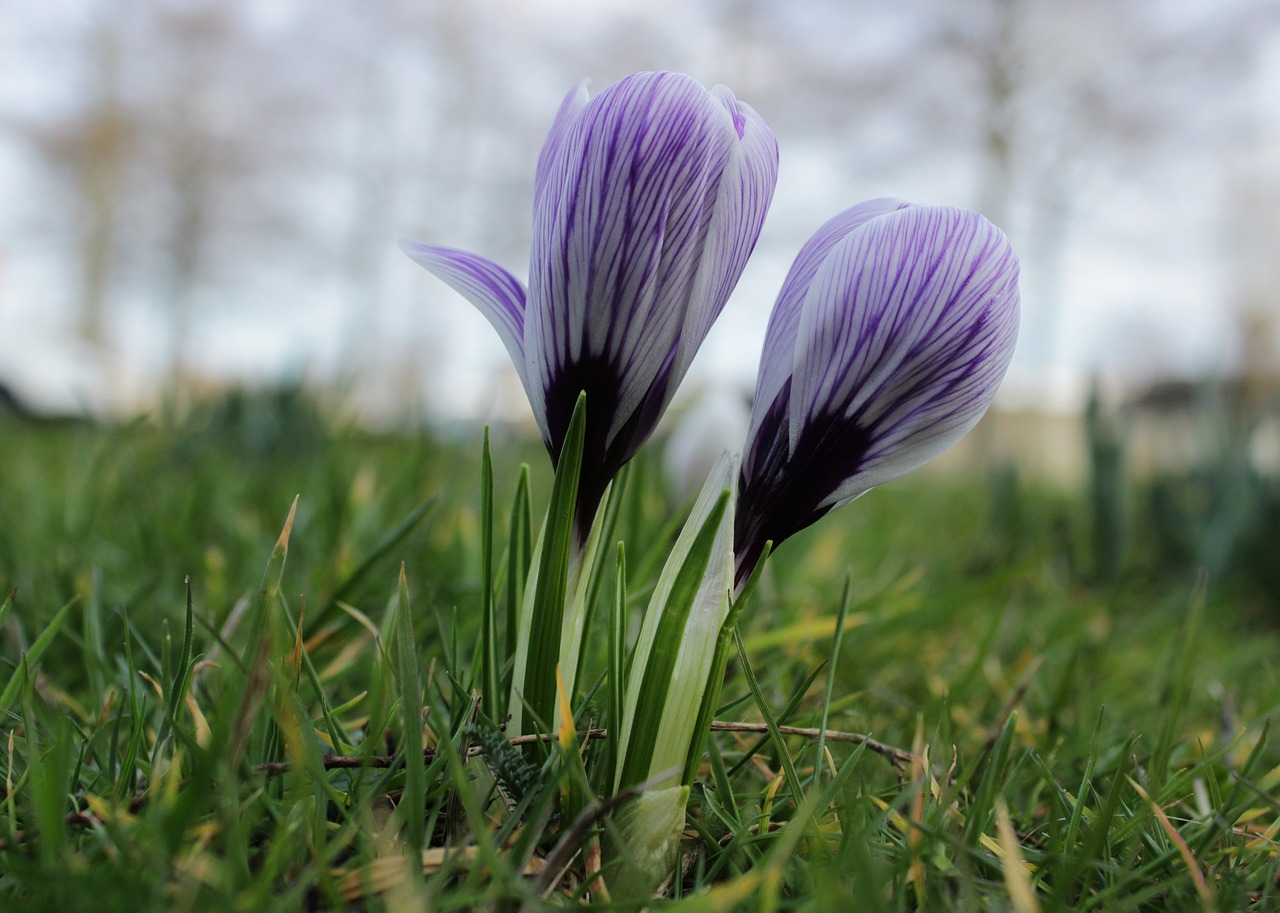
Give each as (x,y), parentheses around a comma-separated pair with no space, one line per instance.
(489,624)
(269,589)
(414,799)
(788,765)
(257,659)
(519,555)
(542,614)
(677,640)
(650,828)
(32,656)
(603,531)
(719,664)
(617,654)
(819,761)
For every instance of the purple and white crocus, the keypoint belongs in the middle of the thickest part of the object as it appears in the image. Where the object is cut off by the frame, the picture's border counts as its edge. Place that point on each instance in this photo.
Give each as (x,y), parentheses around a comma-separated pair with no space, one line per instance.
(648,200)
(889,337)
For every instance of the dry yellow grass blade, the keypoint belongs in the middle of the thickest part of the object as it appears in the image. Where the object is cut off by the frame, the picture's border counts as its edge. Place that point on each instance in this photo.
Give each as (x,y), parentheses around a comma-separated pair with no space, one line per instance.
(1193,867)
(1016,879)
(919,775)
(389,872)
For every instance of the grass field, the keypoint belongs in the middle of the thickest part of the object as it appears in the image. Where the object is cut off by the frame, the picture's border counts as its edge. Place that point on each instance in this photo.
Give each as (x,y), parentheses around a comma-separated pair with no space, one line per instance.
(1046,737)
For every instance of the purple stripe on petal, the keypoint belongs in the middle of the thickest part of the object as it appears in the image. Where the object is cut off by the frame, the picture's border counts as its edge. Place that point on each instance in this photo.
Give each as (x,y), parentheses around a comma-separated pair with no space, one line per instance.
(660,203)
(570,108)
(894,314)
(900,327)
(497,294)
(648,200)
(742,200)
(778,358)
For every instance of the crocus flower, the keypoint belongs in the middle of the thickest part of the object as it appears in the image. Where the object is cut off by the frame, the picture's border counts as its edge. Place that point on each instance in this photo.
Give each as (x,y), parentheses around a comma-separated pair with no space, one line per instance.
(648,199)
(891,333)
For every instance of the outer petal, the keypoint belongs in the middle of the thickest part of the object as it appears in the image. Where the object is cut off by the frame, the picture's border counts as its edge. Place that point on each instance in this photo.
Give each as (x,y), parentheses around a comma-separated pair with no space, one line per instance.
(494,291)
(617,247)
(741,202)
(900,330)
(906,331)
(778,357)
(570,108)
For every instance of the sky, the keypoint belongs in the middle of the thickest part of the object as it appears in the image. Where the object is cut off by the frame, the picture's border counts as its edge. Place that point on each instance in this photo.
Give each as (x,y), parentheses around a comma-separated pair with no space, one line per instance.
(425,123)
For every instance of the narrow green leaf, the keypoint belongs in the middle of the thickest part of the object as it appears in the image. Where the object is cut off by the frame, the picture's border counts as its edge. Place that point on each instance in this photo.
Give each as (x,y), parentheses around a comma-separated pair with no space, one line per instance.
(489,623)
(519,554)
(788,765)
(49,768)
(992,770)
(269,589)
(95,653)
(413,802)
(7,604)
(617,661)
(32,656)
(578,603)
(846,598)
(1177,691)
(720,665)
(128,763)
(603,531)
(662,700)
(542,615)
(178,679)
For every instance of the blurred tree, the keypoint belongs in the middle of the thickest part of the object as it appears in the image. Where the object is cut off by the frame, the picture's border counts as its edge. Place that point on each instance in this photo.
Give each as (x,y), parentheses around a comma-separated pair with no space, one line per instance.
(88,151)
(1041,102)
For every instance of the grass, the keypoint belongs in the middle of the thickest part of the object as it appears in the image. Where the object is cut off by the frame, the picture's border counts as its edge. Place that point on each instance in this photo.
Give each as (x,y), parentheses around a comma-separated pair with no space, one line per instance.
(247,741)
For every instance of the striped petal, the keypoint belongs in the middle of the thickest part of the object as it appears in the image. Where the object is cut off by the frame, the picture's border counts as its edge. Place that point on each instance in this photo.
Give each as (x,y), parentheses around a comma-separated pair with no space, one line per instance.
(907,330)
(741,202)
(572,105)
(631,231)
(651,197)
(778,358)
(496,293)
(900,327)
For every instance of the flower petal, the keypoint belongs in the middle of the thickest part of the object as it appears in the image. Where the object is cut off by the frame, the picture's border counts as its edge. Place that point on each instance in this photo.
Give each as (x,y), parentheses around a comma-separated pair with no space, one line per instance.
(906,331)
(570,108)
(496,293)
(779,355)
(742,200)
(619,233)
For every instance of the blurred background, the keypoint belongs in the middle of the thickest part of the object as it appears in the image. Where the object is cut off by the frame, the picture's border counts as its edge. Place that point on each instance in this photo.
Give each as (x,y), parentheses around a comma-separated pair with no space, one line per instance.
(204,193)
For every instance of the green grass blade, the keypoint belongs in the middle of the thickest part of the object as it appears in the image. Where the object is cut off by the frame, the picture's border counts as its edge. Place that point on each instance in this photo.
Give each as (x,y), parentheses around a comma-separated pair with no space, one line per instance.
(991,771)
(1177,691)
(719,666)
(788,765)
(846,598)
(519,556)
(616,659)
(269,589)
(604,536)
(489,666)
(32,657)
(411,742)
